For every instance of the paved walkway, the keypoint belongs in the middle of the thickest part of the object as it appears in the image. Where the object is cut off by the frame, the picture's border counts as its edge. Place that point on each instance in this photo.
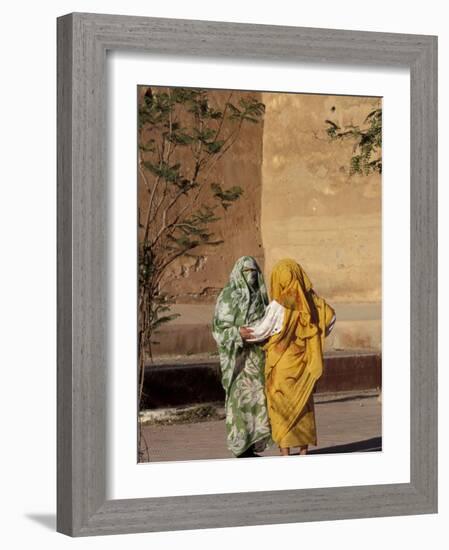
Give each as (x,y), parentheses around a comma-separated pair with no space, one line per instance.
(349,424)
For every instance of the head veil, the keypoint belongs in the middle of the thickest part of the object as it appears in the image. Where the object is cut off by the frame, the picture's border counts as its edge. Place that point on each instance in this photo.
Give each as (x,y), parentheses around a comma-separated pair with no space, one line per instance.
(306,316)
(247,303)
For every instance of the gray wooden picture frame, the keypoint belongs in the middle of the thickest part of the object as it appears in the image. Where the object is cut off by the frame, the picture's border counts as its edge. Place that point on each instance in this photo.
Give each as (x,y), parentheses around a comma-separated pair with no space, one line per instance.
(83,40)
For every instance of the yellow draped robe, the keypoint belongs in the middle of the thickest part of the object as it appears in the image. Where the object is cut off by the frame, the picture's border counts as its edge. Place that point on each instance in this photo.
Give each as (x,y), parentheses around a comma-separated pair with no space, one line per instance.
(294,357)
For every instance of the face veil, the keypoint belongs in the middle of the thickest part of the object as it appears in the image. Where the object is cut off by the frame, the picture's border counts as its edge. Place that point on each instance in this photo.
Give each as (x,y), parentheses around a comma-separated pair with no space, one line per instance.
(246,291)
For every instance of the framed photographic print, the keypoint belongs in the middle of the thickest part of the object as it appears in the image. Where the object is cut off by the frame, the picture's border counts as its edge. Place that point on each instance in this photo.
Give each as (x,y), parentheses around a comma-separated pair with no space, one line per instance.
(246,269)
(234,183)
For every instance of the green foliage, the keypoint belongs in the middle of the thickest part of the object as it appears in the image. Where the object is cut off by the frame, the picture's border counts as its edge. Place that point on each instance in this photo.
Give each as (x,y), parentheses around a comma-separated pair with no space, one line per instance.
(164,171)
(181,137)
(250,110)
(148,147)
(154,108)
(156,304)
(367,151)
(204,216)
(193,231)
(146,265)
(161,305)
(226,196)
(183,204)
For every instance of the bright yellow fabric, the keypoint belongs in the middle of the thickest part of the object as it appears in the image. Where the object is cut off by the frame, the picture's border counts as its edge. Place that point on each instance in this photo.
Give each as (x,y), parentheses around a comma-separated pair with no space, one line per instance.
(294,357)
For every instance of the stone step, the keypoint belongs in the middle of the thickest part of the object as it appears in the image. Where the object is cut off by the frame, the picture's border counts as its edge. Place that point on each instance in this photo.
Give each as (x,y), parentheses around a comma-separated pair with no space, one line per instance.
(177,381)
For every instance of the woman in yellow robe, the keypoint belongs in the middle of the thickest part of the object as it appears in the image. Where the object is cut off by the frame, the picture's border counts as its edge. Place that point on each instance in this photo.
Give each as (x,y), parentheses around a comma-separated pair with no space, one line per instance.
(294,356)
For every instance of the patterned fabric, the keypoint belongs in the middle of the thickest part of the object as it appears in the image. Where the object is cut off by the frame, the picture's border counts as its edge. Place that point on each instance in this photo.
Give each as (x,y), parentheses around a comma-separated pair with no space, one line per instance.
(241,302)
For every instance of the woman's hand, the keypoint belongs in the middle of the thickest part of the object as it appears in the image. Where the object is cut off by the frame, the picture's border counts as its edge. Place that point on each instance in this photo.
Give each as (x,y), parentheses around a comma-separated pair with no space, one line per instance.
(246,333)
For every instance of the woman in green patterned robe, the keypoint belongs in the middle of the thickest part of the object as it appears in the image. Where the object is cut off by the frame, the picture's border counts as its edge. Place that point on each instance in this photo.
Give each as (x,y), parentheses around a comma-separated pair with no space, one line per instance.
(242,302)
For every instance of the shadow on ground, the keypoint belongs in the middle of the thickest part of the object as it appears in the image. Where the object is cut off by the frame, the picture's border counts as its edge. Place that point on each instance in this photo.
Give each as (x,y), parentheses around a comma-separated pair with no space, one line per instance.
(367,445)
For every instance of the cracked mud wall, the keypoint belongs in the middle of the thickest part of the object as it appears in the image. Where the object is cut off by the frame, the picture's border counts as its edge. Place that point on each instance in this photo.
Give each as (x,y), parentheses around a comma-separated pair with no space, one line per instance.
(198,280)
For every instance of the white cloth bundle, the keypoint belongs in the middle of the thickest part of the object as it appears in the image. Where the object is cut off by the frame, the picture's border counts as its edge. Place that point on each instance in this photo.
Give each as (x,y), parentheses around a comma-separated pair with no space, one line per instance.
(271,323)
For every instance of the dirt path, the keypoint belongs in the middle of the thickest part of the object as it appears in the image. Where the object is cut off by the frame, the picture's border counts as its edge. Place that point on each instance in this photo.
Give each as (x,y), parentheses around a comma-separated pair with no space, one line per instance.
(347,425)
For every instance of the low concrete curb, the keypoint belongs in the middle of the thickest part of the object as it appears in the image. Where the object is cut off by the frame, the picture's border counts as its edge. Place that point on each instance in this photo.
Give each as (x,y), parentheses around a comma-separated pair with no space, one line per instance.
(182,383)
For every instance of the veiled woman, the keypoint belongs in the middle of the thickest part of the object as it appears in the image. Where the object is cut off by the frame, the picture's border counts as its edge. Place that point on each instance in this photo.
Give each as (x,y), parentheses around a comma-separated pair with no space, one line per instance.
(296,324)
(241,302)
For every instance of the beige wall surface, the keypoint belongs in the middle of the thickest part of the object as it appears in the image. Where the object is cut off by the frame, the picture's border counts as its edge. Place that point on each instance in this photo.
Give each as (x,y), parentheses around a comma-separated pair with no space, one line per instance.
(313,210)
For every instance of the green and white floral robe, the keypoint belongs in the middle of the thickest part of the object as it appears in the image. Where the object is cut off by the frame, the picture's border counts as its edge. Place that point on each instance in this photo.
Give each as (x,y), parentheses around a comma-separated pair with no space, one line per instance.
(241,303)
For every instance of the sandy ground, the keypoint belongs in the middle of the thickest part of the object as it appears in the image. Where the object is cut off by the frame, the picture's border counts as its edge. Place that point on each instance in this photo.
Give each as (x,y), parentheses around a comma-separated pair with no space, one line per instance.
(345,424)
